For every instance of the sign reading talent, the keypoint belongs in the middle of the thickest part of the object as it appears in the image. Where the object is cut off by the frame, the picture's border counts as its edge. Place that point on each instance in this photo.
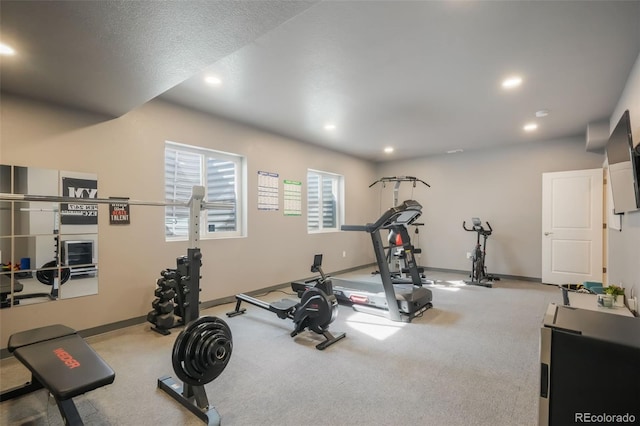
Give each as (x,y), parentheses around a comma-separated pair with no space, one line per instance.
(119,213)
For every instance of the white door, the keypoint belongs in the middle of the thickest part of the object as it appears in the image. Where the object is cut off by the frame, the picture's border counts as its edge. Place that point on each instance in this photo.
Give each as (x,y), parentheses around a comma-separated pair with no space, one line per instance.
(572,226)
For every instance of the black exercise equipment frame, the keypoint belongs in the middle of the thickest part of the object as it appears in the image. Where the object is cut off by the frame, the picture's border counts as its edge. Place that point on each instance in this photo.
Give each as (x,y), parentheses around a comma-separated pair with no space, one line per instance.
(479,274)
(397,182)
(200,353)
(398,218)
(287,308)
(399,276)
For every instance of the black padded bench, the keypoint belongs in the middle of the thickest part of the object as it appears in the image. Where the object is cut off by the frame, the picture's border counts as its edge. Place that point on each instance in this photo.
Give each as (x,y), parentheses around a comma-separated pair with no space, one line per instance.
(61,362)
(6,299)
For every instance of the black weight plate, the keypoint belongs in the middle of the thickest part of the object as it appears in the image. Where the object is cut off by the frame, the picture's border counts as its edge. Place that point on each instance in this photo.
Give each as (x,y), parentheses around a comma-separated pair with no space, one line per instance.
(47,277)
(202,350)
(203,363)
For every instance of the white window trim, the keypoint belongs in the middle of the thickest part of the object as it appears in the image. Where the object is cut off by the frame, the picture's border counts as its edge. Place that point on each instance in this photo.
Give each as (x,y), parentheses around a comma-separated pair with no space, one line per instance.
(339,202)
(240,189)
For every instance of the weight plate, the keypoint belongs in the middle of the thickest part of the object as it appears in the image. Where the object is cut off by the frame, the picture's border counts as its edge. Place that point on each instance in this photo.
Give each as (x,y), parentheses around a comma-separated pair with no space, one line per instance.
(47,277)
(202,350)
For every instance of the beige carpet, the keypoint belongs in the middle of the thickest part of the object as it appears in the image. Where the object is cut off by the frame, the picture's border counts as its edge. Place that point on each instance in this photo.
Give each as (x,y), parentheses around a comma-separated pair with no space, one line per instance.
(471,360)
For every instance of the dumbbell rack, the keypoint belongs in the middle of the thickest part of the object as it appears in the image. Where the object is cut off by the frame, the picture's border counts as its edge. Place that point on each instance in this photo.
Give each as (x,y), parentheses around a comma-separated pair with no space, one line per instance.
(177,298)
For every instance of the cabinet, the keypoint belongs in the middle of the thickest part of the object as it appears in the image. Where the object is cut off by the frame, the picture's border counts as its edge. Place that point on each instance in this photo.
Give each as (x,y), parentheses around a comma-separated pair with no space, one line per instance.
(589,366)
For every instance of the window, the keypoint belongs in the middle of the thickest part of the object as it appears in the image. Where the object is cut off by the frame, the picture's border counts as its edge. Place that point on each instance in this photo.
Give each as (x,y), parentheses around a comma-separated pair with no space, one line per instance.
(221,175)
(324,201)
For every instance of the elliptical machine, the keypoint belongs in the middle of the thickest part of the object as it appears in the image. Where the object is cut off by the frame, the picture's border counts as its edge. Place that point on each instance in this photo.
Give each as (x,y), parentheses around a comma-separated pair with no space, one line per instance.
(318,307)
(479,274)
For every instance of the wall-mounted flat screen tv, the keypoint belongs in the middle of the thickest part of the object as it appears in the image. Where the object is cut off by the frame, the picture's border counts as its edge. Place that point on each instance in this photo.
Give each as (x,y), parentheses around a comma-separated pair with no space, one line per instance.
(624,167)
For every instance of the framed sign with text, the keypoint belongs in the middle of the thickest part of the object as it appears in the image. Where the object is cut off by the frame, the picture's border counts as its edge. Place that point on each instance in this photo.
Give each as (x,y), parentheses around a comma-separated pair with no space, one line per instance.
(79,213)
(119,214)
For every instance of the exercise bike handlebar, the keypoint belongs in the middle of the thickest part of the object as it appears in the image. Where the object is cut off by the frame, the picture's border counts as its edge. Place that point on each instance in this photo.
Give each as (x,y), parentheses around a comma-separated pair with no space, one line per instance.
(400,179)
(478,228)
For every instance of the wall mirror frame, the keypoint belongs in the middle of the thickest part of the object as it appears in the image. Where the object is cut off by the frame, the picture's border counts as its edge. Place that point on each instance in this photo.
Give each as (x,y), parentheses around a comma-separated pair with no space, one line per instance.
(48,250)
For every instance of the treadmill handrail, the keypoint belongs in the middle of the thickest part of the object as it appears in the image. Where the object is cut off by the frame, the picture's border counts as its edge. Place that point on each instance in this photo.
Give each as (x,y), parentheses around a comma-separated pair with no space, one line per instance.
(390,218)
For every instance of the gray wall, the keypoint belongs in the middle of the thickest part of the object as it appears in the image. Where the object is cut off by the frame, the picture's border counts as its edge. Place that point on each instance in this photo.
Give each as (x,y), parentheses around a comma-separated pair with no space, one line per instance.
(624,245)
(502,186)
(128,156)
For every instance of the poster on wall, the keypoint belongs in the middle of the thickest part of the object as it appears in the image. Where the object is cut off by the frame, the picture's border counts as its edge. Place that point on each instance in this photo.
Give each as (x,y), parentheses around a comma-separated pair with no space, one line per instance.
(119,213)
(268,191)
(79,213)
(292,198)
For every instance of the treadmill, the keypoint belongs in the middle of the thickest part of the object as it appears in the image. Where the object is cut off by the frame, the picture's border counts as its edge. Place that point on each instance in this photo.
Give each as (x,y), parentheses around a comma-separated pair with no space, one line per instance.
(378,295)
(408,271)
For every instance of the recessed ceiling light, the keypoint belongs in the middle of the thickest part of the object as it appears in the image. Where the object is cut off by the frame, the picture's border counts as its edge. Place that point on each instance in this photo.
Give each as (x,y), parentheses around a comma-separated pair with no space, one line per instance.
(530,127)
(455,151)
(213,80)
(512,82)
(6,50)
(329,126)
(542,113)
(388,150)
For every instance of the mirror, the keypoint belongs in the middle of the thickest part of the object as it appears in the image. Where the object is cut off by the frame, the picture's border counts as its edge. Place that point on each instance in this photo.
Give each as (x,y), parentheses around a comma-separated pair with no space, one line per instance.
(48,250)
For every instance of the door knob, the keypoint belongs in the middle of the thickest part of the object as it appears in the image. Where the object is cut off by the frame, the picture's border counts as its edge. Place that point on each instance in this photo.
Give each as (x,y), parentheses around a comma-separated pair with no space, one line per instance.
(548,233)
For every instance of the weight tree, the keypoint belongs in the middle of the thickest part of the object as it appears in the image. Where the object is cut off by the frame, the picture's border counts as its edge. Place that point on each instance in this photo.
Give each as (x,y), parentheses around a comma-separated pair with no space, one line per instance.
(177,291)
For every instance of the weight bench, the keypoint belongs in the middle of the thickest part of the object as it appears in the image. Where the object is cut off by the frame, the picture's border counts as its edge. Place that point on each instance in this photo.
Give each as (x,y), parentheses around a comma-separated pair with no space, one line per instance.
(6,298)
(60,361)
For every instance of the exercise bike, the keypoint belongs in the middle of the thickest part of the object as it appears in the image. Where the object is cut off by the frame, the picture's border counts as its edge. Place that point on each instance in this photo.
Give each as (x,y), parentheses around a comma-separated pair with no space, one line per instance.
(479,274)
(317,308)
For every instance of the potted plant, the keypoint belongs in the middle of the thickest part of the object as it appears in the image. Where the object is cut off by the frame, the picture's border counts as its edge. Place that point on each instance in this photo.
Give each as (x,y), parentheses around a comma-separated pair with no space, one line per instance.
(617,293)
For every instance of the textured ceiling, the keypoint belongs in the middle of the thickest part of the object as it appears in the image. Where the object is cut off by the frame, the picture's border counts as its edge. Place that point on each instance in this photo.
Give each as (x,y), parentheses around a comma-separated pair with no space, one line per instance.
(113,56)
(423,77)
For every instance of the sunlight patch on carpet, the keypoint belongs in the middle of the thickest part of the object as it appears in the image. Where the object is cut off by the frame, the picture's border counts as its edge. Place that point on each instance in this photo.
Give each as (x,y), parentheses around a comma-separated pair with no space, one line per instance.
(379,328)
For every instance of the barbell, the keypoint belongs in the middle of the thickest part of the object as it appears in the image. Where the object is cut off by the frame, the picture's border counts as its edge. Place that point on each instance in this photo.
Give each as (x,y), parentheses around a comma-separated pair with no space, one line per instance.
(195,204)
(197,195)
